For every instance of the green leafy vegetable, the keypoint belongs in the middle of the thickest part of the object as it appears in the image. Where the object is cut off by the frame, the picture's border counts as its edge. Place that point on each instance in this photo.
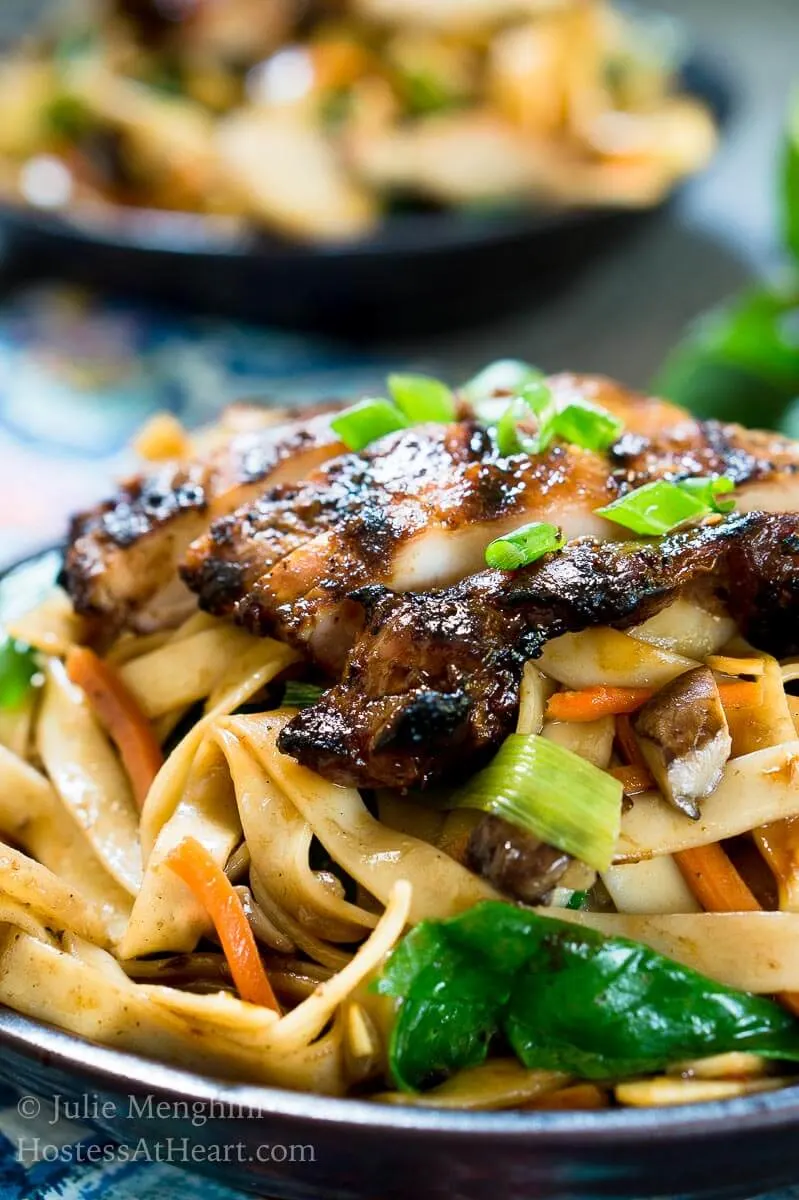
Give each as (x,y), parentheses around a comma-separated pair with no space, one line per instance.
(523,546)
(549,791)
(588,426)
(422,398)
(301,695)
(565,998)
(577,900)
(366,421)
(655,508)
(17,669)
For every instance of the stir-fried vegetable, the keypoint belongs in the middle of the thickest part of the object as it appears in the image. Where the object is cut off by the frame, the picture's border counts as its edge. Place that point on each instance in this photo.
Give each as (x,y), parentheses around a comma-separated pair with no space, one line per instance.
(17,669)
(301,695)
(544,788)
(118,712)
(214,891)
(421,398)
(565,998)
(588,426)
(590,703)
(658,507)
(523,546)
(366,421)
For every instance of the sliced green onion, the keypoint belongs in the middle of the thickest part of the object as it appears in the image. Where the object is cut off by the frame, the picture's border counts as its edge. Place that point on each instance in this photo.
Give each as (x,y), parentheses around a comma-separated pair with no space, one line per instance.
(422,398)
(17,669)
(587,425)
(366,421)
(301,695)
(506,377)
(524,546)
(547,790)
(709,490)
(536,398)
(655,508)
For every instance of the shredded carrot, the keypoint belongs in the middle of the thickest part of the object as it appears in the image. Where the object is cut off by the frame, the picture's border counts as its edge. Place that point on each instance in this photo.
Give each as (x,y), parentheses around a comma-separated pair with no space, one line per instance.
(118,712)
(633,779)
(726,665)
(743,694)
(214,891)
(714,880)
(628,746)
(591,703)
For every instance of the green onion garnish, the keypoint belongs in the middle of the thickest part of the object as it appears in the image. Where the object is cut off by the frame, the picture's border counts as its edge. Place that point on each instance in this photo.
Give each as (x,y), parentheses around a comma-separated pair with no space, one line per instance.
(659,507)
(301,695)
(17,669)
(709,490)
(536,398)
(366,421)
(547,790)
(422,398)
(523,546)
(587,425)
(506,376)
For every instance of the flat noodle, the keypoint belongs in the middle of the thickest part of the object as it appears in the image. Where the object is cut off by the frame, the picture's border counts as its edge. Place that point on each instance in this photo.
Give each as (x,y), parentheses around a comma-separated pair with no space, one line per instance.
(499,1084)
(606,657)
(53,627)
(317,950)
(754,790)
(60,907)
(372,854)
(16,726)
(258,665)
(533,695)
(166,916)
(33,815)
(754,952)
(592,740)
(14,916)
(86,773)
(686,628)
(653,886)
(182,672)
(279,840)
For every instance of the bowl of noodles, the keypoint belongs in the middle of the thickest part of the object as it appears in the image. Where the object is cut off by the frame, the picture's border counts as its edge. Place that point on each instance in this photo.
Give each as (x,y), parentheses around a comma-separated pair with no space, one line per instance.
(414,783)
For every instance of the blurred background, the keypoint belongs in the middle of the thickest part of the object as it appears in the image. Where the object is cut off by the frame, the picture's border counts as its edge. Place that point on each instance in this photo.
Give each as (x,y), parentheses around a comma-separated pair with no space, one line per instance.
(327,238)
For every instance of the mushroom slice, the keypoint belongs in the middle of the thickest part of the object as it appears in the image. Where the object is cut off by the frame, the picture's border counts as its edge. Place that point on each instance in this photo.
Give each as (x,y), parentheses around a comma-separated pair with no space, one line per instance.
(683,735)
(515,861)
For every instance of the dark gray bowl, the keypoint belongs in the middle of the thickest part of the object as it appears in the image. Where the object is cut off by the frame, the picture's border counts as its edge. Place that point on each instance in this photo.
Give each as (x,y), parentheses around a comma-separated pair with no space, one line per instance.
(355,1150)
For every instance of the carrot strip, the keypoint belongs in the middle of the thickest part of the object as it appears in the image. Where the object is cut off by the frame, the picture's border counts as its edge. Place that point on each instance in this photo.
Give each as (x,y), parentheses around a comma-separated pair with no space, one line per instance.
(591,703)
(714,880)
(214,891)
(633,779)
(118,712)
(743,694)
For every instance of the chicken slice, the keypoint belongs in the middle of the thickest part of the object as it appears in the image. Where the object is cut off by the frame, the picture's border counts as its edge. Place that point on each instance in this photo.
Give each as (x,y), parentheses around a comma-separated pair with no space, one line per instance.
(417,509)
(432,683)
(121,564)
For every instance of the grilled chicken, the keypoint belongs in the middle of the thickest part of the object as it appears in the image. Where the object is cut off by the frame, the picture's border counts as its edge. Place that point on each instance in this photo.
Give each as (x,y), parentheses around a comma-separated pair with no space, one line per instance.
(432,682)
(417,509)
(122,560)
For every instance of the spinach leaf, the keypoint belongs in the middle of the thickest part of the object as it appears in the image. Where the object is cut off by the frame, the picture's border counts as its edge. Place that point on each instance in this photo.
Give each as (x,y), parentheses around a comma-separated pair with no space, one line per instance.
(17,669)
(564,998)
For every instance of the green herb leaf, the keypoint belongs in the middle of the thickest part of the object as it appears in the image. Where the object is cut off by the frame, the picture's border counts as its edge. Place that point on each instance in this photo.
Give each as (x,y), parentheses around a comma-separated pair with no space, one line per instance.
(588,426)
(17,669)
(549,791)
(523,546)
(301,695)
(655,508)
(565,997)
(422,398)
(366,421)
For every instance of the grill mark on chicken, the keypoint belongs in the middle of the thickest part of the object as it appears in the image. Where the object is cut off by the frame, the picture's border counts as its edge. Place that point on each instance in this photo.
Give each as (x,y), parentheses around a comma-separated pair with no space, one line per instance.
(461,650)
(122,559)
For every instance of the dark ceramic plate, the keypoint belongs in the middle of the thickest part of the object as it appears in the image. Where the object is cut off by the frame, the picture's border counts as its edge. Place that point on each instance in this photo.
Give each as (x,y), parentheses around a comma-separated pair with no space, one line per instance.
(296,1146)
(420,272)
